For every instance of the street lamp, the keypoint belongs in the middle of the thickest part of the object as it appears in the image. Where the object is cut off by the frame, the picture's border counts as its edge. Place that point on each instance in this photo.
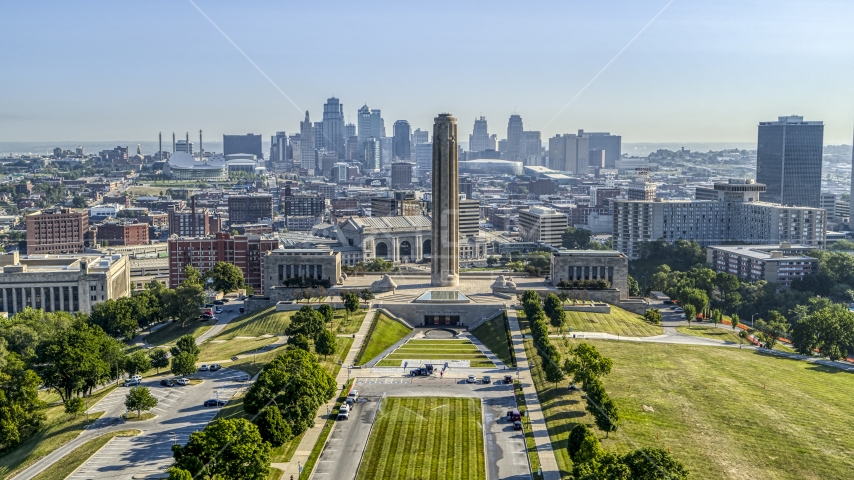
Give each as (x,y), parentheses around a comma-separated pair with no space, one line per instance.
(751,319)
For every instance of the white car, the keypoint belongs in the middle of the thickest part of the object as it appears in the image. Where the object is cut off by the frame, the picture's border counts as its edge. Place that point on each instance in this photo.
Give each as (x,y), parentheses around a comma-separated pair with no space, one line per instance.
(471,379)
(131,382)
(183,381)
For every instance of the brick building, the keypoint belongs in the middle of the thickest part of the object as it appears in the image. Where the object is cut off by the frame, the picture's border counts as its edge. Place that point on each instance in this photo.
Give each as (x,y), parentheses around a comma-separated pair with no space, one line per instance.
(57,232)
(249,208)
(123,233)
(246,252)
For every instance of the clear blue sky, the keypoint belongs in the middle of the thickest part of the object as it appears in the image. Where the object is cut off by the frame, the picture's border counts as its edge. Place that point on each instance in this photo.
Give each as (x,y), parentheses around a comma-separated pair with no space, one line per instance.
(704,71)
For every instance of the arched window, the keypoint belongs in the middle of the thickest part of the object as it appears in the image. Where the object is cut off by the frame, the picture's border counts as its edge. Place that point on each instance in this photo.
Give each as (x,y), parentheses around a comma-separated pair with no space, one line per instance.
(382,250)
(427,247)
(405,249)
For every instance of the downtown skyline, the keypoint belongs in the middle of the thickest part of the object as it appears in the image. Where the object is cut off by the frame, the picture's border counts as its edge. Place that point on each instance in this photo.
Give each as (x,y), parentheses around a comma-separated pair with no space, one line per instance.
(697,73)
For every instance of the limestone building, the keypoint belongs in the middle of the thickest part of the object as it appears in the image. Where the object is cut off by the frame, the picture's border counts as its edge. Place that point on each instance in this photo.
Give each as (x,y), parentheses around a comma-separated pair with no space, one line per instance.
(445,262)
(299,267)
(579,265)
(69,283)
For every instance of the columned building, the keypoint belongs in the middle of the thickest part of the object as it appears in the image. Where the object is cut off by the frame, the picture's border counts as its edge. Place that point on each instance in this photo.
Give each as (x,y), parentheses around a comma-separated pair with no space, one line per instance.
(300,266)
(396,239)
(581,265)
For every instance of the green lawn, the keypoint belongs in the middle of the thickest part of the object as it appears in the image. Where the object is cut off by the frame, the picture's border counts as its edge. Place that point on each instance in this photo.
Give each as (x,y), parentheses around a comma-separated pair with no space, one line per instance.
(437,350)
(723,412)
(493,335)
(271,322)
(385,333)
(618,322)
(71,462)
(727,335)
(173,331)
(58,429)
(214,350)
(425,438)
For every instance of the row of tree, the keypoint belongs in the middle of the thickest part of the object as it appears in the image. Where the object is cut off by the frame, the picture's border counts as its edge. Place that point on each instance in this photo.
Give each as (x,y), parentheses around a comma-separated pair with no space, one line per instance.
(310,324)
(590,462)
(549,354)
(598,284)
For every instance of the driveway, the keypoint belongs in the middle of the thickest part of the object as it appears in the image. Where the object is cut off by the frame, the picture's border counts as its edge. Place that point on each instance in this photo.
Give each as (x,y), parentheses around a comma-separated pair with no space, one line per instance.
(506,457)
(179,413)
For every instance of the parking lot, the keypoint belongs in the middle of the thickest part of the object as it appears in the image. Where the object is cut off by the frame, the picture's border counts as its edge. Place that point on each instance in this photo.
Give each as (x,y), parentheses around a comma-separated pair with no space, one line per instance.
(506,457)
(179,413)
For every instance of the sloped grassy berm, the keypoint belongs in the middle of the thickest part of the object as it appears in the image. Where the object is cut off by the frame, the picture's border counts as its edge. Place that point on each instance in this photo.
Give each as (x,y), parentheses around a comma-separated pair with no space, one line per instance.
(494,336)
(432,438)
(384,333)
(433,350)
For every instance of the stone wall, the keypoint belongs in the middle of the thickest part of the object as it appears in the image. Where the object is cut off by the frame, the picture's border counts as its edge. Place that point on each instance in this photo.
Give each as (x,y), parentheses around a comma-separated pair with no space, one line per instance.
(413,313)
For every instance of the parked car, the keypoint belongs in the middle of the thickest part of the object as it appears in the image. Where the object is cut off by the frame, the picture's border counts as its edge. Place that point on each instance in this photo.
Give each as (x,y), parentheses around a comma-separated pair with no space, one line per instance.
(418,372)
(138,378)
(471,379)
(678,310)
(349,401)
(429,368)
(514,415)
(182,381)
(517,425)
(241,310)
(204,368)
(167,382)
(224,300)
(668,302)
(131,382)
(508,379)
(674,307)
(214,403)
(214,367)
(219,302)
(218,310)
(344,408)
(354,394)
(343,415)
(487,380)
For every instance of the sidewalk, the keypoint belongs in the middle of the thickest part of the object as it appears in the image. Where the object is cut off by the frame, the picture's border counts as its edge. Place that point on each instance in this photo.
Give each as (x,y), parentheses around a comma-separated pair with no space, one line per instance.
(548,462)
(311,436)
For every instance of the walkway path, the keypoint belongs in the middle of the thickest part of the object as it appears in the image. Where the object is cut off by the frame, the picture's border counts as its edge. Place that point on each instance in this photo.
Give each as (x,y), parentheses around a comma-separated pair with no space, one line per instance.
(312,435)
(548,462)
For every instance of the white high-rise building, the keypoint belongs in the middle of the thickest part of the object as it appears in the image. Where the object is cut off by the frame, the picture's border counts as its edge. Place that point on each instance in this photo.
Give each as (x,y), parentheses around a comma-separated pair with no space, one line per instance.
(479,138)
(541,224)
(308,155)
(514,138)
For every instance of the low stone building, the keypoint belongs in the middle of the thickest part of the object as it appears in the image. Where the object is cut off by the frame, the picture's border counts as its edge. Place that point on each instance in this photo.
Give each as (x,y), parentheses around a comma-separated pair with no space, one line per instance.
(590,265)
(288,268)
(70,283)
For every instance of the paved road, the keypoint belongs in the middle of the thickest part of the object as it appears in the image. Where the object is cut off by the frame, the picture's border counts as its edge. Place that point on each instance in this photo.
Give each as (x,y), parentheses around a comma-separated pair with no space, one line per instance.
(505,448)
(179,412)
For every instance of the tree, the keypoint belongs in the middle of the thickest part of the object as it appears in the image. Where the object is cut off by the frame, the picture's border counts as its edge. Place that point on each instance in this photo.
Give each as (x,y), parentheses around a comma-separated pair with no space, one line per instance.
(74,406)
(183,364)
(273,427)
(379,265)
(654,464)
(226,277)
(159,358)
(299,341)
(576,436)
(327,312)
(366,295)
(772,329)
(183,303)
(139,399)
(826,328)
(20,408)
(589,450)
(115,317)
(690,313)
(187,343)
(586,364)
(192,276)
(307,321)
(575,238)
(551,367)
(179,474)
(634,288)
(716,316)
(734,320)
(600,405)
(326,343)
(694,297)
(230,448)
(552,304)
(653,316)
(138,362)
(491,261)
(351,302)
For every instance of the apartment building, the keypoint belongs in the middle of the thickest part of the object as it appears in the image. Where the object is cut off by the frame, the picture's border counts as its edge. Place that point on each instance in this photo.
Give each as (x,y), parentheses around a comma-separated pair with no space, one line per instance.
(541,224)
(60,231)
(244,251)
(249,208)
(779,263)
(114,233)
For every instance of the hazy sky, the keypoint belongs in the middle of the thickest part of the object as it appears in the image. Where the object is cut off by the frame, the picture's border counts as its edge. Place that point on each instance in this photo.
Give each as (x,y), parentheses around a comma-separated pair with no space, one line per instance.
(703,71)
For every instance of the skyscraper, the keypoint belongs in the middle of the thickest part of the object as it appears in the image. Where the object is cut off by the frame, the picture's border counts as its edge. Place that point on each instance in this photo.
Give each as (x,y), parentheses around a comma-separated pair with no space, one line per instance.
(531,146)
(401,175)
(611,144)
(249,143)
(377,124)
(444,244)
(364,123)
(350,130)
(279,148)
(307,153)
(569,153)
(333,127)
(479,138)
(401,147)
(372,155)
(788,161)
(514,138)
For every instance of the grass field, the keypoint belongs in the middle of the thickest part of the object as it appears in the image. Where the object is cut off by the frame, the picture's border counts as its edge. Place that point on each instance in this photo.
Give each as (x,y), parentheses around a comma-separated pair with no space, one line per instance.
(214,350)
(71,462)
(173,331)
(618,322)
(437,350)
(58,429)
(271,322)
(494,336)
(425,438)
(385,333)
(727,335)
(723,412)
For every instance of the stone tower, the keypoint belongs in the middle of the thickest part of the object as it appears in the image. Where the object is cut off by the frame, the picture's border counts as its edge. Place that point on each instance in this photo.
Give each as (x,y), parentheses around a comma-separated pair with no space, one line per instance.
(445,246)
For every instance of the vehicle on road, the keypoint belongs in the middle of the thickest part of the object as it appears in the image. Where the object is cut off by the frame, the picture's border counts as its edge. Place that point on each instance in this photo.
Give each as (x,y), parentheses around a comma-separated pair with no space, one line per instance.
(204,368)
(471,379)
(343,415)
(167,383)
(517,425)
(182,381)
(130,382)
(508,379)
(674,307)
(214,403)
(215,366)
(487,380)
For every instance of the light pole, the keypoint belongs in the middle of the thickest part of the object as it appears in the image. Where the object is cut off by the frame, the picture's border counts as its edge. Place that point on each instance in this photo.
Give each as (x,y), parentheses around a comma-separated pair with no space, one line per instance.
(751,319)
